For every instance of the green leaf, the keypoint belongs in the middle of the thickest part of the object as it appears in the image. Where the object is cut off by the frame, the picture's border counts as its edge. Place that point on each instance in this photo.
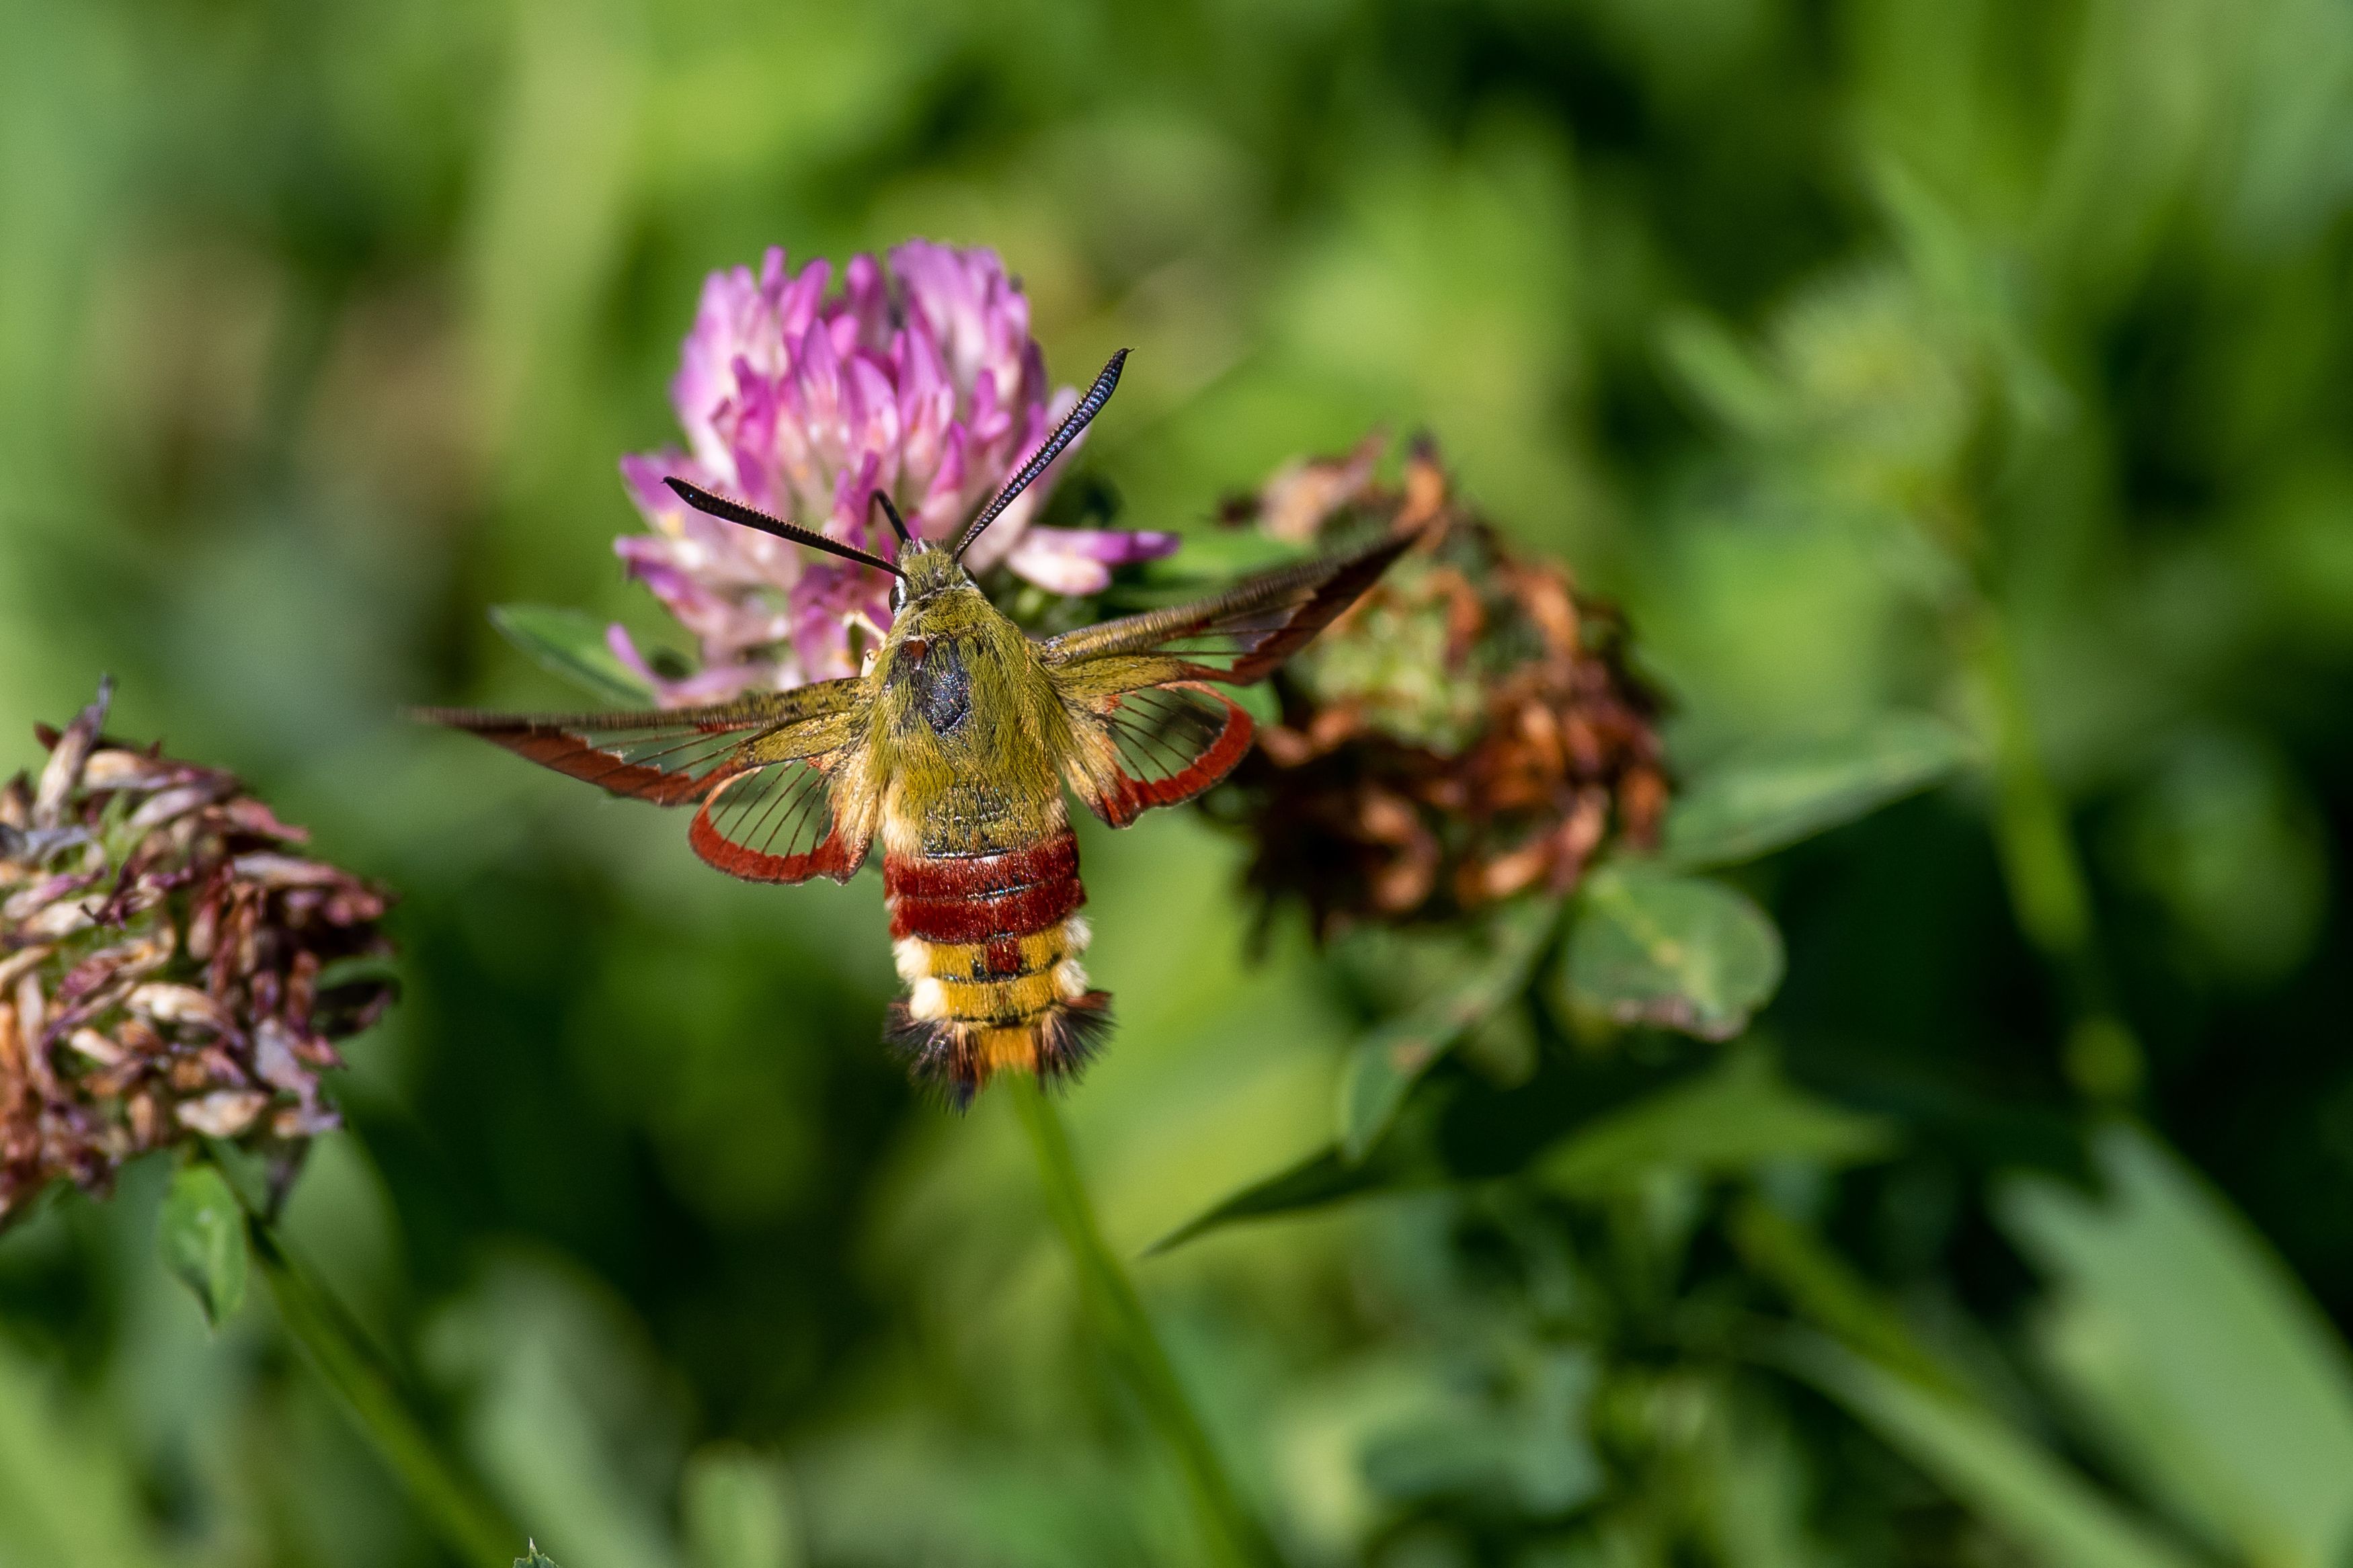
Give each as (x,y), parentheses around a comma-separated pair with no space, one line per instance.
(739,1511)
(1752,805)
(1651,947)
(2010,1480)
(1388,1061)
(2210,1374)
(537,1559)
(1740,1115)
(201,1234)
(570,644)
(1322,1178)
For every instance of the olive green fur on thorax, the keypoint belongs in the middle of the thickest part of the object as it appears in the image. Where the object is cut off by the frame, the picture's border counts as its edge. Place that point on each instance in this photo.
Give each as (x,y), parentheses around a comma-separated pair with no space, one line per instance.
(966,731)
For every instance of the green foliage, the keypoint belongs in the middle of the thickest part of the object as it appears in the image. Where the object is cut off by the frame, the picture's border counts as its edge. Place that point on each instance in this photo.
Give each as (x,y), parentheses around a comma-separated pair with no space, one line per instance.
(2202,1367)
(1736,1118)
(570,644)
(1681,952)
(69,1494)
(1953,398)
(1118,1317)
(1526,1453)
(2053,1514)
(568,1416)
(1382,1067)
(1775,796)
(739,1511)
(201,1235)
(1326,1176)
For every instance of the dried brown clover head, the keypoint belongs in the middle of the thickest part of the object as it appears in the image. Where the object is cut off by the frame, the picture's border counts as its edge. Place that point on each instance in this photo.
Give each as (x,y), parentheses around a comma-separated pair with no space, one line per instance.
(1467,730)
(167,965)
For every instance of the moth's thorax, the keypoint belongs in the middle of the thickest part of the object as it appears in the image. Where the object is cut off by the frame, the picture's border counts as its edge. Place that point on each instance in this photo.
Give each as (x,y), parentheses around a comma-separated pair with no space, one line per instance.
(967,727)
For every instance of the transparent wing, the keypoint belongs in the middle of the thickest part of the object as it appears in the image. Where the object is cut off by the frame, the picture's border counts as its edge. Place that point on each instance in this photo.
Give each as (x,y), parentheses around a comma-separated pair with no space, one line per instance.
(1160,745)
(1150,733)
(776,823)
(1236,636)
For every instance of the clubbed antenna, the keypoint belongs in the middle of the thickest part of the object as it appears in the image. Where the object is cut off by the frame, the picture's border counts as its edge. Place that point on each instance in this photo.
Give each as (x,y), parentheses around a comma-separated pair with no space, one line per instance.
(898,523)
(702,500)
(1064,434)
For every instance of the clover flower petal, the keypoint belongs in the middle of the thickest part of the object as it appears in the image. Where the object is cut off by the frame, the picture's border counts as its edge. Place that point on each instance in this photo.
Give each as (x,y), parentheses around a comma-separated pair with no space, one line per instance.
(1079,560)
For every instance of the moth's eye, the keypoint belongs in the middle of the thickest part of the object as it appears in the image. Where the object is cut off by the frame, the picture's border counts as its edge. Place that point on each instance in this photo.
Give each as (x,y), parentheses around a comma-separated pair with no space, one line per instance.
(898,594)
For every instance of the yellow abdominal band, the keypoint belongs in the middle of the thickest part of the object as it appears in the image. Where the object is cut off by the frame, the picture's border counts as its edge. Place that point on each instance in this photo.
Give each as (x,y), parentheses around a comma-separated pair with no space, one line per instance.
(958,983)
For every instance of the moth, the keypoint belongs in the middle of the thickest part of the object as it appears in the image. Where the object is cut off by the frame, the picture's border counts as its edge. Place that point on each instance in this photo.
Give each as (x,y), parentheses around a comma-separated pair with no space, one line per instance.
(954,746)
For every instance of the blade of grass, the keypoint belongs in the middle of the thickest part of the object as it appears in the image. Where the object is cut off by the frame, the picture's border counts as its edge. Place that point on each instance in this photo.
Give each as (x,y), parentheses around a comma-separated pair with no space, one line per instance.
(2043,1505)
(1111,1301)
(1861,1353)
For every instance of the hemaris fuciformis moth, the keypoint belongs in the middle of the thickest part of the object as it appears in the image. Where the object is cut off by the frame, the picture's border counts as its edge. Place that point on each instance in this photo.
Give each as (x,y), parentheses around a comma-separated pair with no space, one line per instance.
(954,745)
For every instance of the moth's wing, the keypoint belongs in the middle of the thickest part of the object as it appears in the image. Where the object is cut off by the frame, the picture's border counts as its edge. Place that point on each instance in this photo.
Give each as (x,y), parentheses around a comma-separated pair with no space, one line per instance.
(761,770)
(1155,745)
(670,756)
(1236,636)
(1147,730)
(783,821)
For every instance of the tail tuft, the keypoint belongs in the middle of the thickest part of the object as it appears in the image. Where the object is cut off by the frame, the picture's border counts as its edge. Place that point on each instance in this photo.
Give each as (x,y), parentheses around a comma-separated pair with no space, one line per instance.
(933,1051)
(1069,1035)
(957,1058)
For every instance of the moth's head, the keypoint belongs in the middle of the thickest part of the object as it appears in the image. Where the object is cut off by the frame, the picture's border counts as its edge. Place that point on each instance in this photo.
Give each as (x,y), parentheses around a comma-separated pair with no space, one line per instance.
(925,570)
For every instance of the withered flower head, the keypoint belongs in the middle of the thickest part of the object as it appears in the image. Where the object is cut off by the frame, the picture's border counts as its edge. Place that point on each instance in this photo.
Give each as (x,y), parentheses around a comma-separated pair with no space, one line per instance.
(164,965)
(1467,730)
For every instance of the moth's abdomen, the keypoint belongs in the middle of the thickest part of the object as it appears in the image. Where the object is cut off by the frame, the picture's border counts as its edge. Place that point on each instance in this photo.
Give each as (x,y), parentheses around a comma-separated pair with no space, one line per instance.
(989,947)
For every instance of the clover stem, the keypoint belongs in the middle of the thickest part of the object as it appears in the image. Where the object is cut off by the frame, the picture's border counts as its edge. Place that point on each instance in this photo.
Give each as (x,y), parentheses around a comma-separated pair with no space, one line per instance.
(2042,868)
(338,1350)
(1110,1302)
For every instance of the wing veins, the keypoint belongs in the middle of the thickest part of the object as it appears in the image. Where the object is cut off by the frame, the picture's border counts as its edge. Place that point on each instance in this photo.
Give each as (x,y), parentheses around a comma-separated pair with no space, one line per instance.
(1264,617)
(749,827)
(807,797)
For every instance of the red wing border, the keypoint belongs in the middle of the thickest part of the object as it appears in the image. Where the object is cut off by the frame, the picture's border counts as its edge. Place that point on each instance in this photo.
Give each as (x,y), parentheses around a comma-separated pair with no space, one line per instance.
(775,823)
(1171,742)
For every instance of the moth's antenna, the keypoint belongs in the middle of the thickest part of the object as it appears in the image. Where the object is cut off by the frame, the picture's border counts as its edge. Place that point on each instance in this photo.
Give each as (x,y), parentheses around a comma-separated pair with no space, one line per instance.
(898,524)
(1064,434)
(734,512)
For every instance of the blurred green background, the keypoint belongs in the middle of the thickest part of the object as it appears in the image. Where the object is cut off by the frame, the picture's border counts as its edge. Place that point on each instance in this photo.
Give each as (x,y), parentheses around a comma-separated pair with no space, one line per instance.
(322,328)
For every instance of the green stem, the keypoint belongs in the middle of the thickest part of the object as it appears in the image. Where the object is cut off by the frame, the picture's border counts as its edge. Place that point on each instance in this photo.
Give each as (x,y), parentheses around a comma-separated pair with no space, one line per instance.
(2049,891)
(1111,1301)
(458,1513)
